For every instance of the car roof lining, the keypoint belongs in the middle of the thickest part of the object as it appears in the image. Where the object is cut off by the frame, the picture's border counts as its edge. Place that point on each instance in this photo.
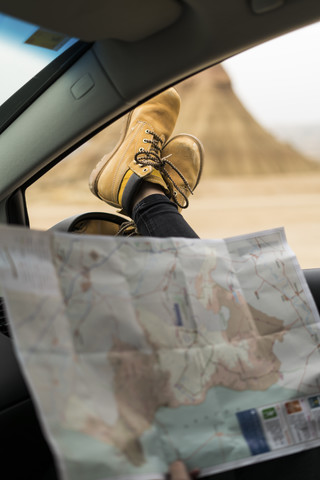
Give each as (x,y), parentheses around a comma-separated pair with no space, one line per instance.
(130,21)
(125,20)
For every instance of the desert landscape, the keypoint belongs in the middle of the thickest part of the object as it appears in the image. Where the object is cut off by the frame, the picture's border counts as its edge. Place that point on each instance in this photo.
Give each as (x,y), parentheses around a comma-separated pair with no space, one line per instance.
(251,181)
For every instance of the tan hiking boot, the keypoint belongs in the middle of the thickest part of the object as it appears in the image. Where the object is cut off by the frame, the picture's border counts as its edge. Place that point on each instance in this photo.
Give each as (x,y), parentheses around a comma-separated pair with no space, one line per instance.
(183,158)
(137,156)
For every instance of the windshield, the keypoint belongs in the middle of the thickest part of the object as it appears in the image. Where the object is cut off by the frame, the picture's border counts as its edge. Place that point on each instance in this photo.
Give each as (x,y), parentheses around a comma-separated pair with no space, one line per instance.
(26,49)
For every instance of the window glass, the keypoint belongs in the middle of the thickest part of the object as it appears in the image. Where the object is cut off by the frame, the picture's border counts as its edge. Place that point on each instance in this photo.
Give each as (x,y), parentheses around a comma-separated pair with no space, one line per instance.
(26,49)
(258,117)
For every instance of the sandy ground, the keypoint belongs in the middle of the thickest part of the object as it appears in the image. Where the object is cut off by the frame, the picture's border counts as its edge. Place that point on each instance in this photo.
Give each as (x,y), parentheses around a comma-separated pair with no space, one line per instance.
(220,208)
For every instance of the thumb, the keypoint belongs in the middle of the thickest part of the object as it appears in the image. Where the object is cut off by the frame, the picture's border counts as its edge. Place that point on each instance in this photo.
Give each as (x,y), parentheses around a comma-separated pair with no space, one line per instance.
(178,471)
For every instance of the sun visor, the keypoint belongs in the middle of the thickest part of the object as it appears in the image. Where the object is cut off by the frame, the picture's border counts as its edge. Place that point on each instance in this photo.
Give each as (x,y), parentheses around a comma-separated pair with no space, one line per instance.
(98,19)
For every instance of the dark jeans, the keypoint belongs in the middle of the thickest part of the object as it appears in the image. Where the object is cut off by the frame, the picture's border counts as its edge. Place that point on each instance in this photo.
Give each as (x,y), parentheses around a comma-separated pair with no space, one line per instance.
(157,216)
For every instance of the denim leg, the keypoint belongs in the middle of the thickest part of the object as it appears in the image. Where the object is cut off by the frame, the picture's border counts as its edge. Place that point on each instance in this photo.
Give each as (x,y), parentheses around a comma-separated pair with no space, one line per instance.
(157,216)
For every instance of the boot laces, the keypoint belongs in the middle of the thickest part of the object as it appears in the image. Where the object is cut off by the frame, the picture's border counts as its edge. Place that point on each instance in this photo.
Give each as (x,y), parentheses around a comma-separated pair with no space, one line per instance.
(128,229)
(153,157)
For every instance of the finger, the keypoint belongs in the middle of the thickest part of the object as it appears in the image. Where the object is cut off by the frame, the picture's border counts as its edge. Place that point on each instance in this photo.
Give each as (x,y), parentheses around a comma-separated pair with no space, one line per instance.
(178,471)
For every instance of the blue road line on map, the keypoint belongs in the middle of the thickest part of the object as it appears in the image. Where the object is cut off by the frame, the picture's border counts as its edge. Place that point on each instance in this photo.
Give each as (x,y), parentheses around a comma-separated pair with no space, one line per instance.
(235,296)
(178,315)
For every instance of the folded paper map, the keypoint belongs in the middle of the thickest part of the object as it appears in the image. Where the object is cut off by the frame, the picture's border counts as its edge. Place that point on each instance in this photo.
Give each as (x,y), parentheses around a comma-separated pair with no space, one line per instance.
(139,351)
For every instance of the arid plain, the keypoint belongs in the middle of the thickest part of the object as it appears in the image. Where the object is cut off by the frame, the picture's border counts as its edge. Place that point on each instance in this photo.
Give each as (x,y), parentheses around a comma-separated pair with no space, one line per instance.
(220,207)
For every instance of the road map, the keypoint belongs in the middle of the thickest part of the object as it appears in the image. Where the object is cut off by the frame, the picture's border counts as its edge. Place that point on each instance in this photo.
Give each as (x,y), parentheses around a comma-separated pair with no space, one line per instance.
(140,351)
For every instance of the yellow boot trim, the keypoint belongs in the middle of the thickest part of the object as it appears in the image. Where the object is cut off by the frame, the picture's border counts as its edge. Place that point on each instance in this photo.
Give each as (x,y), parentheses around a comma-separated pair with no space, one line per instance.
(123,185)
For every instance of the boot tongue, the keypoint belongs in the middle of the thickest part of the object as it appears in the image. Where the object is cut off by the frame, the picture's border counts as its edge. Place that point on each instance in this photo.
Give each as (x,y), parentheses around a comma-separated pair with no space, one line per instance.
(160,112)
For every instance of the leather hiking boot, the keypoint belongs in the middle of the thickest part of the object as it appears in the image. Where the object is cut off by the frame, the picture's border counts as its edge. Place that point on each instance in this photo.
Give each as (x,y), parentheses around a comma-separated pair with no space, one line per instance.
(137,157)
(183,158)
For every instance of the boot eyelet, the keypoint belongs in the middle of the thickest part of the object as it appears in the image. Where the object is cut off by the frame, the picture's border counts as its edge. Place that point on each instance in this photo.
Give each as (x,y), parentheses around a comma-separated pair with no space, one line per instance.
(145,169)
(141,149)
(147,131)
(145,140)
(175,193)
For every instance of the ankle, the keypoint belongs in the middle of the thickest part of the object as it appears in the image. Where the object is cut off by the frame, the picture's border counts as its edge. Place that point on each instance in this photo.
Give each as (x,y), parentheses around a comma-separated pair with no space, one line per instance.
(145,190)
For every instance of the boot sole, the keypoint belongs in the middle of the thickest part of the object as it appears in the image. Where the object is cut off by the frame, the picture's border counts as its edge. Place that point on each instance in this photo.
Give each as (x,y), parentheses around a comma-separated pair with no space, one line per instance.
(201,151)
(97,171)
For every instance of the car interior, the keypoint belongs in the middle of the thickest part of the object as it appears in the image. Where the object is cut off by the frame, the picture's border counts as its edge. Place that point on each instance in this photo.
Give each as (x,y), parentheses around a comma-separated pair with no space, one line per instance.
(122,53)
